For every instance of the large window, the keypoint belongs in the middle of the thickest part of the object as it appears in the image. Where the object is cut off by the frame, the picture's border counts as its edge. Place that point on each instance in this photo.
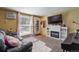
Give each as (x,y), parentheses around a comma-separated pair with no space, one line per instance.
(25,20)
(25,28)
(25,24)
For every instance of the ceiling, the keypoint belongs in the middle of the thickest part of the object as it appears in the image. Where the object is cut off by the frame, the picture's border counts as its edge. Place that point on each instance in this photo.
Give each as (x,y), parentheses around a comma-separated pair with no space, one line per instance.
(42,11)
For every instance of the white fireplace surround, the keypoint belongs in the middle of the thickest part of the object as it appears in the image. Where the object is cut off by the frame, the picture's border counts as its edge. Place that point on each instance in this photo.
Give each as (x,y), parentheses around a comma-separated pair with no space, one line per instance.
(57,28)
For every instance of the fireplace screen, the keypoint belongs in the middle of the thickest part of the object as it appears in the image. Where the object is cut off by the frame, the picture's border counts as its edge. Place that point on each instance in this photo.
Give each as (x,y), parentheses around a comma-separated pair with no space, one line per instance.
(54,34)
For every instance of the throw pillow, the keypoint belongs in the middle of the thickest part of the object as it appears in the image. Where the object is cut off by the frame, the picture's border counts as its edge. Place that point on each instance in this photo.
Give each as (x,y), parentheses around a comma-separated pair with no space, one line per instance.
(13,41)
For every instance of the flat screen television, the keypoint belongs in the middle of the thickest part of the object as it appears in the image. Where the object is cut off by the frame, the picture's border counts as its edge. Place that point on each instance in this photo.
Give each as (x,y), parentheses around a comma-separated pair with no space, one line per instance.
(55,19)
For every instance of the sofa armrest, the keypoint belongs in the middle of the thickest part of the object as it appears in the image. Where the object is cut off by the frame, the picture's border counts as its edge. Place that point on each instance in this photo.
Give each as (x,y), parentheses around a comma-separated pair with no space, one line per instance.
(23,48)
(26,47)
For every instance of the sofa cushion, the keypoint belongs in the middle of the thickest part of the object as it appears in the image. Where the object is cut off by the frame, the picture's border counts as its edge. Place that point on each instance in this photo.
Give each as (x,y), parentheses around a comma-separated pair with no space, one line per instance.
(13,41)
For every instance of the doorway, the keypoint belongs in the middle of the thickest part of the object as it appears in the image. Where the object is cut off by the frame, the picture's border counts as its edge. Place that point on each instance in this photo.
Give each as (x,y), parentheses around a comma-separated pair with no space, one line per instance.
(36,27)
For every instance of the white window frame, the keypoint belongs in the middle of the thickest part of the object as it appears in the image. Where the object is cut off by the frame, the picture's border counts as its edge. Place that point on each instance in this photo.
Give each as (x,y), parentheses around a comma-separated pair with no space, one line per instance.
(21,33)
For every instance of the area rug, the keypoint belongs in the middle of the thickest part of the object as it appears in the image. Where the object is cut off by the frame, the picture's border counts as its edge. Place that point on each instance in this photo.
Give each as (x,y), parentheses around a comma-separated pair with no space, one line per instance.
(40,46)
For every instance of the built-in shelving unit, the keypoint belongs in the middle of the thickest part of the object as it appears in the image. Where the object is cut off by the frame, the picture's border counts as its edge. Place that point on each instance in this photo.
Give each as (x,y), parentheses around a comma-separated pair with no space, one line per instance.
(36,25)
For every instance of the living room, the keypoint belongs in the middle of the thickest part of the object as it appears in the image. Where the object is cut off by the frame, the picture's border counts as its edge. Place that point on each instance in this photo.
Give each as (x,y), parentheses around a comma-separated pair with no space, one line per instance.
(44,28)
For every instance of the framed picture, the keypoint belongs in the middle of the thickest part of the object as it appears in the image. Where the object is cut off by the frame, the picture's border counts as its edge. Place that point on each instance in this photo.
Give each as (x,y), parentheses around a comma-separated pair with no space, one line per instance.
(10,15)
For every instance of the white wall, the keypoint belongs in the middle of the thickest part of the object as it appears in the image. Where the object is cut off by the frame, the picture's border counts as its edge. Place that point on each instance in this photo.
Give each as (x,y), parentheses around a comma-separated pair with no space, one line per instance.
(42,11)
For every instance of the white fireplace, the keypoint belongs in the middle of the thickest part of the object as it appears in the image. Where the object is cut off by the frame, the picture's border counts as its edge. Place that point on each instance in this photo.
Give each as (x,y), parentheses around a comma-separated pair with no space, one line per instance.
(56,31)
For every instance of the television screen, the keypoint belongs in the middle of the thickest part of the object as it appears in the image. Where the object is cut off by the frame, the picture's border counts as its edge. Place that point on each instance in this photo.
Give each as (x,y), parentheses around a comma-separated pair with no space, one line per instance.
(55,19)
